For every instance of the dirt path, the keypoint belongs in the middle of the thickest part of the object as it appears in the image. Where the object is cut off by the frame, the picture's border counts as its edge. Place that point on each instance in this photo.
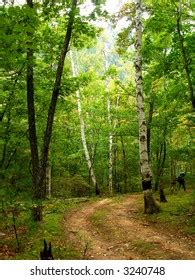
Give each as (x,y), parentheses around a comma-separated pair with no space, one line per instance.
(111,230)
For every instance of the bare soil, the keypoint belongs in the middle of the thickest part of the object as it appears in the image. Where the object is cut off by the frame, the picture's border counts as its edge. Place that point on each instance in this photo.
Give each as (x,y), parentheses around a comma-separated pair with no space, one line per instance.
(108,229)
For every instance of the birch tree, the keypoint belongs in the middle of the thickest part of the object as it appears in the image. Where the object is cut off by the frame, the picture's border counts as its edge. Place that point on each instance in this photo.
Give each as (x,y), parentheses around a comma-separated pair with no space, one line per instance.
(110,142)
(150,205)
(82,128)
(110,137)
(112,125)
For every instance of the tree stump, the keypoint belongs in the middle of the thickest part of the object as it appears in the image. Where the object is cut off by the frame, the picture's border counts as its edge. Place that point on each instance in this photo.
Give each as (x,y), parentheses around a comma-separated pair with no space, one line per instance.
(46,253)
(37,213)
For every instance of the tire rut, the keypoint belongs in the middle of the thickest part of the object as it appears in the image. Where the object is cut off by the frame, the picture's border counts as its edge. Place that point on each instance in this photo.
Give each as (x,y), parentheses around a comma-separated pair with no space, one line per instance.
(122,235)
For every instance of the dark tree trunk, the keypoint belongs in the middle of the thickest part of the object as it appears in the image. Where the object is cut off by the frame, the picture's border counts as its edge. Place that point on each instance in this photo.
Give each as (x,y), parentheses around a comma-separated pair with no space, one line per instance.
(185,62)
(162,194)
(89,176)
(37,212)
(161,162)
(55,94)
(124,165)
(150,116)
(39,167)
(161,157)
(31,110)
(97,190)
(37,195)
(115,156)
(46,253)
(159,166)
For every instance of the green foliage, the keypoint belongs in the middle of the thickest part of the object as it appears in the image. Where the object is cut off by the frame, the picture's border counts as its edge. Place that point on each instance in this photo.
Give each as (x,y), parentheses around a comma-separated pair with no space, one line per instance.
(74,186)
(98,2)
(31,234)
(165,88)
(124,41)
(84,34)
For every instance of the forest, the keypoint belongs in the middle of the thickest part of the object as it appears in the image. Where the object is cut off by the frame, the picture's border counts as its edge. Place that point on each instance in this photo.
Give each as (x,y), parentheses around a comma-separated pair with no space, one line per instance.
(97,113)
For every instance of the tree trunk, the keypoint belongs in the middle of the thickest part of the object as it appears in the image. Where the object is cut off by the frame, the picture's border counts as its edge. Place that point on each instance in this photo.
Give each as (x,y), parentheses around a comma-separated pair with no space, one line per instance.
(112,125)
(150,116)
(31,110)
(110,160)
(55,94)
(83,137)
(185,60)
(161,190)
(110,137)
(161,157)
(48,180)
(124,165)
(159,168)
(116,176)
(162,194)
(39,167)
(150,205)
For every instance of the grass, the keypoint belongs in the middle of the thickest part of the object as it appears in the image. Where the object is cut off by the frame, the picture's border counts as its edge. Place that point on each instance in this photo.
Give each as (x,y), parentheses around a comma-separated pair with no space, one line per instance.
(99,222)
(178,211)
(99,217)
(143,246)
(31,239)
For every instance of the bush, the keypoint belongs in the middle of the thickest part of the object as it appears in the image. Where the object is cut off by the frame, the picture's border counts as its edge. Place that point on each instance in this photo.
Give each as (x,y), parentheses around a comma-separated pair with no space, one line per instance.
(71,187)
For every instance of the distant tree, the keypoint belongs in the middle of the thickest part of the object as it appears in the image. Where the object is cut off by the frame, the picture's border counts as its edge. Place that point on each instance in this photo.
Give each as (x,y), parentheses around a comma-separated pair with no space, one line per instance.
(82,129)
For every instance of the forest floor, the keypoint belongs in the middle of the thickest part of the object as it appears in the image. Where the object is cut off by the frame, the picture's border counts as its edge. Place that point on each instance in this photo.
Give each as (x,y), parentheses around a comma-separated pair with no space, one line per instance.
(114,229)
(104,228)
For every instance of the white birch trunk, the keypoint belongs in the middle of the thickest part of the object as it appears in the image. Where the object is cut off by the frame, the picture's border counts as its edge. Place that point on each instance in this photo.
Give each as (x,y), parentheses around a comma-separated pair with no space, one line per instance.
(110,141)
(146,173)
(112,126)
(110,137)
(82,125)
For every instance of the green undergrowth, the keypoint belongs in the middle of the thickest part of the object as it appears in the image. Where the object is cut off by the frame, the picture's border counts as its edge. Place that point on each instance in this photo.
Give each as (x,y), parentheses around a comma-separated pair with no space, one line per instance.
(51,229)
(178,211)
(31,234)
